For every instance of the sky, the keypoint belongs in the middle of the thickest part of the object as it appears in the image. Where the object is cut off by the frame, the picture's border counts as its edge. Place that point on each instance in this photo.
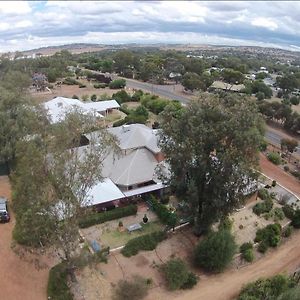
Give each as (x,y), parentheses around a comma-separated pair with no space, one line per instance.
(27,25)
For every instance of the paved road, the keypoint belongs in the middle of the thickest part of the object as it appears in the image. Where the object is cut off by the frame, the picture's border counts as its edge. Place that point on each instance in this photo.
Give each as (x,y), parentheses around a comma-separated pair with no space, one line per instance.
(166,91)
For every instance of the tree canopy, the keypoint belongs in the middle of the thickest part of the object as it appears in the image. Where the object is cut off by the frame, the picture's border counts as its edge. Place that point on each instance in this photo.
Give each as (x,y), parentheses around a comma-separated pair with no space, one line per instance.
(212,147)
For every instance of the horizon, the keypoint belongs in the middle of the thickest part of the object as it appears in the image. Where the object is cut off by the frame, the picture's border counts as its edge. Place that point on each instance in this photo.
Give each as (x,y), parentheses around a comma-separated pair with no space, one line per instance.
(28,25)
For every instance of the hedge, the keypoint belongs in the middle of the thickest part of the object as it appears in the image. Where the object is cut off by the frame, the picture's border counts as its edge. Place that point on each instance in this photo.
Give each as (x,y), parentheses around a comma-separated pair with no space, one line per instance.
(98,218)
(166,217)
(145,242)
(58,288)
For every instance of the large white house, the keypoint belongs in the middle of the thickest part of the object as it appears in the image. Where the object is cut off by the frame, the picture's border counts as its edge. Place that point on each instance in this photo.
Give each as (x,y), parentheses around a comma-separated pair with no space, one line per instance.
(58,107)
(134,171)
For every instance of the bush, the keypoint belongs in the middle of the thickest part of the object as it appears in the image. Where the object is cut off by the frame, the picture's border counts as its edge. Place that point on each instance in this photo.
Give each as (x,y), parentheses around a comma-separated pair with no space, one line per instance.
(70,81)
(121,96)
(296,219)
(178,276)
(274,183)
(288,211)
(263,194)
(100,85)
(260,96)
(248,255)
(117,84)
(247,251)
(274,158)
(288,231)
(119,123)
(263,146)
(270,288)
(75,97)
(166,216)
(98,218)
(94,97)
(270,235)
(286,168)
(291,294)
(263,207)
(278,214)
(58,288)
(131,290)
(215,251)
(262,247)
(226,223)
(145,242)
(81,85)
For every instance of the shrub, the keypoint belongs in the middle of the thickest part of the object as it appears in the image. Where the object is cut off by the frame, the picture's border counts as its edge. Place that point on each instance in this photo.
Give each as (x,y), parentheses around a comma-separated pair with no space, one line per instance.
(291,294)
(270,288)
(274,158)
(145,242)
(270,235)
(278,214)
(178,276)
(296,219)
(75,97)
(226,223)
(263,194)
(191,281)
(288,211)
(81,85)
(295,174)
(286,168)
(94,97)
(274,183)
(166,216)
(263,146)
(215,251)
(98,218)
(176,273)
(135,289)
(70,81)
(117,84)
(288,231)
(119,123)
(262,247)
(247,251)
(263,207)
(58,288)
(248,255)
(100,85)
(121,96)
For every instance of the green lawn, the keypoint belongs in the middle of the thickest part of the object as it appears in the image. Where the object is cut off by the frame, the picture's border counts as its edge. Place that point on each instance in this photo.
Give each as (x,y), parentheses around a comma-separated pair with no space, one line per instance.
(115,238)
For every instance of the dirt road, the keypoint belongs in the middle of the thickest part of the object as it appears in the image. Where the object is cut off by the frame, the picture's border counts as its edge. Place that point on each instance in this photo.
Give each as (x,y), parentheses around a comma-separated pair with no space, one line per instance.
(227,285)
(279,175)
(19,280)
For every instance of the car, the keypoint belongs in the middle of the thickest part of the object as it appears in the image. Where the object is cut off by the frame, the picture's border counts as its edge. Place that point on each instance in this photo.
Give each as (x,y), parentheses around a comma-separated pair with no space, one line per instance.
(4,215)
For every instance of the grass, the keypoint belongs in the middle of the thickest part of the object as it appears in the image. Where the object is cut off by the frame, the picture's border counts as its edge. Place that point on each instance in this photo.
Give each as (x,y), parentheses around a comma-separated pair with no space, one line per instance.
(114,116)
(115,238)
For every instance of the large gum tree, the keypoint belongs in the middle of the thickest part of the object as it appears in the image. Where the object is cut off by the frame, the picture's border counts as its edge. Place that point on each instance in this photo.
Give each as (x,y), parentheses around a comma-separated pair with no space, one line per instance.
(212,147)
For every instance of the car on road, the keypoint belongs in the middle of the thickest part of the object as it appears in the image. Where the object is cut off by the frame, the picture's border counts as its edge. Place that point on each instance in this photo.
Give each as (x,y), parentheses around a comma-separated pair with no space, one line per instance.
(4,215)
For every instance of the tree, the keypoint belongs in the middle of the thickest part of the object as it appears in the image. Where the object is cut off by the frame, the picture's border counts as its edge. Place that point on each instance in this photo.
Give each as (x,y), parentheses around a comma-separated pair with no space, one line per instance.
(52,182)
(14,114)
(232,77)
(216,251)
(212,147)
(192,81)
(295,100)
(289,145)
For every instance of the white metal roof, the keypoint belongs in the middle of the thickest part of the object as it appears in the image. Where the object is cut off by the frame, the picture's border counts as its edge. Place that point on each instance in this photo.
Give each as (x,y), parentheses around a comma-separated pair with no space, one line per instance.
(104,191)
(102,105)
(144,189)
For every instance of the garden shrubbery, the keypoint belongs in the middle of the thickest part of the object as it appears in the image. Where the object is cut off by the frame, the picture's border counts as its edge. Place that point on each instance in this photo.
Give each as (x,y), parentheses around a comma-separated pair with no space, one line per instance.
(117,84)
(263,207)
(246,250)
(145,242)
(98,218)
(177,275)
(288,211)
(269,236)
(164,214)
(58,288)
(296,219)
(274,157)
(271,288)
(71,81)
(215,251)
(135,289)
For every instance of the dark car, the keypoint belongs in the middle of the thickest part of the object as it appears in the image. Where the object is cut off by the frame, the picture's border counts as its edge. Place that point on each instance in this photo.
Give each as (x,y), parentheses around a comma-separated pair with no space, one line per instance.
(4,215)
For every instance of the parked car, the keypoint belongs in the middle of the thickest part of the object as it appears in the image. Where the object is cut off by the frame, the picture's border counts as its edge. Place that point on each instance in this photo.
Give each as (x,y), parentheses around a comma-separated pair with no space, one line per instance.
(4,215)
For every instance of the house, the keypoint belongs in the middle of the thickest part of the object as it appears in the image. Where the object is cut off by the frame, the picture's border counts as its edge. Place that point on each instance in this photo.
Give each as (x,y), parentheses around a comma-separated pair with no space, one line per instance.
(220,85)
(134,171)
(58,107)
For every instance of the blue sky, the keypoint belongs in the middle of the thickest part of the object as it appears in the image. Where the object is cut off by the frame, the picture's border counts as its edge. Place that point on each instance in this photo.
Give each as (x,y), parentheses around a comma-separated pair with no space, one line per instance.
(32,24)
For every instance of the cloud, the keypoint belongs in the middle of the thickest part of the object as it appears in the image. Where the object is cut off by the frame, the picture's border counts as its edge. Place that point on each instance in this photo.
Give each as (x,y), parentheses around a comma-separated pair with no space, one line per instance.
(26,24)
(265,23)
